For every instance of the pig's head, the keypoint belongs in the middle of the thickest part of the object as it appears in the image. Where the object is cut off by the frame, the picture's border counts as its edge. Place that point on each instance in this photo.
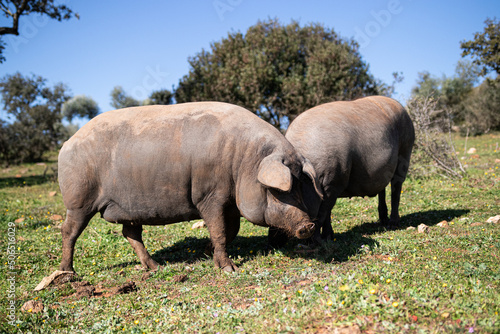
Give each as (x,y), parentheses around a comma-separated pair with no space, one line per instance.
(275,198)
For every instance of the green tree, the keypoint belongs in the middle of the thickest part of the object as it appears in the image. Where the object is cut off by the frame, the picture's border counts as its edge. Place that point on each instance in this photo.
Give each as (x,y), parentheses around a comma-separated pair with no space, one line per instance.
(35,117)
(14,9)
(80,106)
(427,86)
(482,108)
(163,96)
(485,48)
(277,71)
(449,92)
(456,89)
(120,99)
(4,141)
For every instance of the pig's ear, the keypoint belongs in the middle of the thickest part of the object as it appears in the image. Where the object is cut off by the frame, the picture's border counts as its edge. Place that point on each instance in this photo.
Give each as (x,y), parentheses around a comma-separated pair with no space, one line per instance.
(273,174)
(308,169)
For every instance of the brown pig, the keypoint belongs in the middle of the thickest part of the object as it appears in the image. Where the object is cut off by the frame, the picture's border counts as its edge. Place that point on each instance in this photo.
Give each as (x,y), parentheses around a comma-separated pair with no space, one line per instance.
(157,165)
(356,148)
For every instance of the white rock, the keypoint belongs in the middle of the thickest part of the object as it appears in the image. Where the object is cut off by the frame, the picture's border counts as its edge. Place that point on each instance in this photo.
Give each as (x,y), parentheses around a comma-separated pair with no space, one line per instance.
(197,225)
(422,228)
(494,219)
(472,150)
(444,223)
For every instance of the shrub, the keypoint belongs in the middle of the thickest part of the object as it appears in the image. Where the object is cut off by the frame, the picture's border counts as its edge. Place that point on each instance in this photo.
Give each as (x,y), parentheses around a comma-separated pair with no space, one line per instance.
(434,150)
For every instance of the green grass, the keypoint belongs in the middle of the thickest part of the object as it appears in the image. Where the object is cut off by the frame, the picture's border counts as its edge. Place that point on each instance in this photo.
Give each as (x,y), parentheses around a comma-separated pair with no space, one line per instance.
(392,281)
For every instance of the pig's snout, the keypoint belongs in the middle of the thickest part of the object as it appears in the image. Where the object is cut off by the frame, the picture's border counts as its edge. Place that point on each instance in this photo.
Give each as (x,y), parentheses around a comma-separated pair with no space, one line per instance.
(305,231)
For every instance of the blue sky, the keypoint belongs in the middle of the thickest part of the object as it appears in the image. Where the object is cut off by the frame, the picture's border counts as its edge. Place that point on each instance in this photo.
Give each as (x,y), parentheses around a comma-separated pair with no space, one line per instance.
(144,45)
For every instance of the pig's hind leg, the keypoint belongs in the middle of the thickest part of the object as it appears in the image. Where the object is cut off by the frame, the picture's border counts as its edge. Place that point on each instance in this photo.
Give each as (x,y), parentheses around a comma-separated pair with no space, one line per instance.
(75,223)
(397,184)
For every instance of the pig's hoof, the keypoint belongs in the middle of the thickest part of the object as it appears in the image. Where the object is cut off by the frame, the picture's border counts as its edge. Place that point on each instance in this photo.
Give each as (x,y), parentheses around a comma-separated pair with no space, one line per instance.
(391,224)
(394,222)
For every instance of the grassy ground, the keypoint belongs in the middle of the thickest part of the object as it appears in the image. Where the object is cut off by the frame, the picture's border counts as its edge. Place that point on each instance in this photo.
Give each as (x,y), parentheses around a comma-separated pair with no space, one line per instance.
(368,279)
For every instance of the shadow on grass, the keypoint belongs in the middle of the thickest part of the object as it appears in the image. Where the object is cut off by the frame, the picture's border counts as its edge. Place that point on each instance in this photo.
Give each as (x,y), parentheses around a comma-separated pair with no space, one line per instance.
(190,250)
(345,245)
(350,242)
(429,218)
(187,250)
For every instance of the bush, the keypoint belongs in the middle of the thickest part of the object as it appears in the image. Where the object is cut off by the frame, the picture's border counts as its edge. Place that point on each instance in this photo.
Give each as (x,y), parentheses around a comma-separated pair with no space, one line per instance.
(434,150)
(482,109)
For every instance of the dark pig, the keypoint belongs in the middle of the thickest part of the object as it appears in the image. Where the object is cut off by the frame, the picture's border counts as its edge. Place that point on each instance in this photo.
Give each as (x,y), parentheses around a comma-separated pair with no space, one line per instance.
(157,165)
(357,148)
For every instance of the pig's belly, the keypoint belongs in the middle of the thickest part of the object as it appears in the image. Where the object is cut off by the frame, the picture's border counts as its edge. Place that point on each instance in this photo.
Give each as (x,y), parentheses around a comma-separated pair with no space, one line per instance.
(149,212)
(367,186)
(149,196)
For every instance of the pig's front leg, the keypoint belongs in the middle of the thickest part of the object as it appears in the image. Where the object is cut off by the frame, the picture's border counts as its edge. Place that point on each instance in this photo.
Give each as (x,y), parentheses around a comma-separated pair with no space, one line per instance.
(223,228)
(133,233)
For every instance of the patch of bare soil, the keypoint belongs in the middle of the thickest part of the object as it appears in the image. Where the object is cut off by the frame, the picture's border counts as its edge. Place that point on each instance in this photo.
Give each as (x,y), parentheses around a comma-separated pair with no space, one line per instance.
(85,289)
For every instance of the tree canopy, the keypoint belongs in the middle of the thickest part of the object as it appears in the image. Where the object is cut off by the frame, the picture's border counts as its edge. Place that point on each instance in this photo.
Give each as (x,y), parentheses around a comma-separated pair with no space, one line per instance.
(14,9)
(474,108)
(80,106)
(482,108)
(162,96)
(34,123)
(485,48)
(35,112)
(120,99)
(277,71)
(450,90)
